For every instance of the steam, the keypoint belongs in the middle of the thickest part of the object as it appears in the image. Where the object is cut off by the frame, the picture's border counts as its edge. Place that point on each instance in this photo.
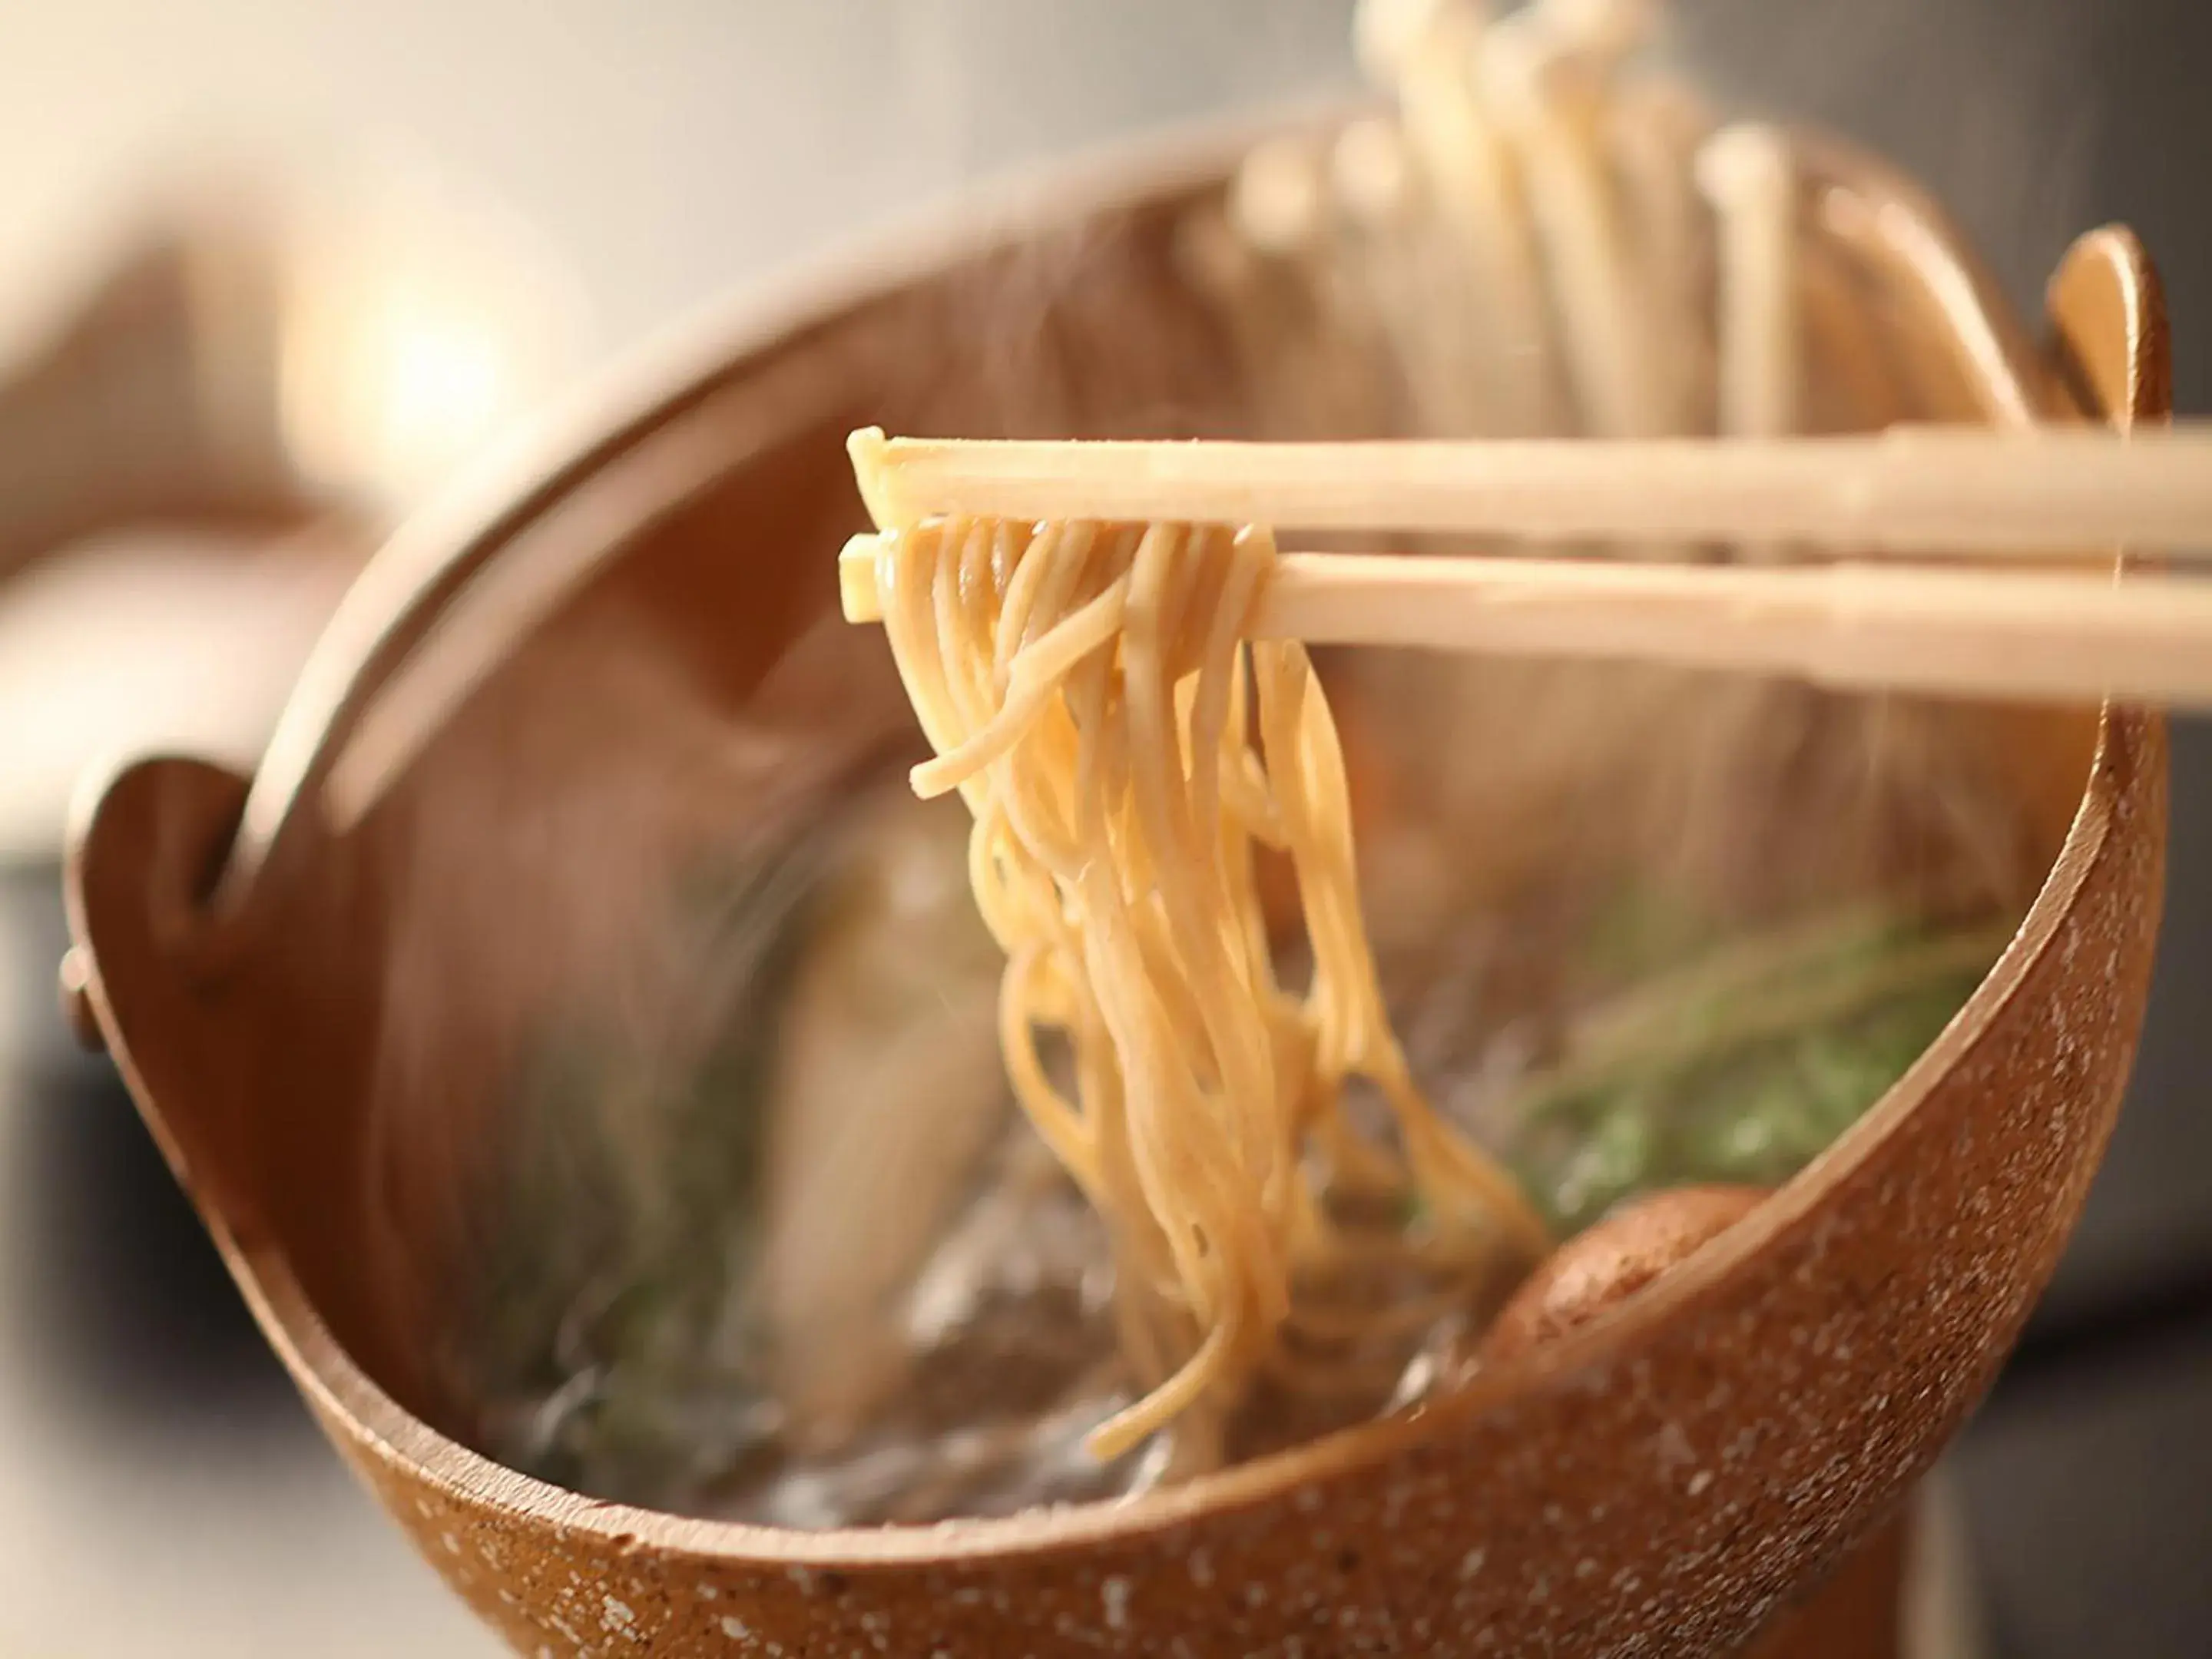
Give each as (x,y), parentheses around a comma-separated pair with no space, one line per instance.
(599,861)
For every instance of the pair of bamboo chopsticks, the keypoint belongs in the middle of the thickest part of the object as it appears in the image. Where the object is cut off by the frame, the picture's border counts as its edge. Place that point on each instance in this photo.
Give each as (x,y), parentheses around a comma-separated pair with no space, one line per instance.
(1971,627)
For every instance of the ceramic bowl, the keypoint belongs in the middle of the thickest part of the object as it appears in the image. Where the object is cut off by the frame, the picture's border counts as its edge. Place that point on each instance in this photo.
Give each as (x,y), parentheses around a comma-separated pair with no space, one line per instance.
(1663,1479)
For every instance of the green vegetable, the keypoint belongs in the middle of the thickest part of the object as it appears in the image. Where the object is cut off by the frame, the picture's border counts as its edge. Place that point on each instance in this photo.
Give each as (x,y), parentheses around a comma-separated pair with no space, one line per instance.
(1742,1065)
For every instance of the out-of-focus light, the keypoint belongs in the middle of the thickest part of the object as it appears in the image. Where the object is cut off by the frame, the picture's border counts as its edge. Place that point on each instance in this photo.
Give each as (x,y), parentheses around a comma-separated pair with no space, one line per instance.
(445,388)
(330,329)
(415,332)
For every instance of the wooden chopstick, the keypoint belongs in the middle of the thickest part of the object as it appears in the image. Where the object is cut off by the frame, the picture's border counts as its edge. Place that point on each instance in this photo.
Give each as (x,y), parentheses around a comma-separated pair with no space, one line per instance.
(2005,634)
(2055,491)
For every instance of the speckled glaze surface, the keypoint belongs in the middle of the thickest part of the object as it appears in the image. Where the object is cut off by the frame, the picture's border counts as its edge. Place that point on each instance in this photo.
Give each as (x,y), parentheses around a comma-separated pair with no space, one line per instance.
(1658,1481)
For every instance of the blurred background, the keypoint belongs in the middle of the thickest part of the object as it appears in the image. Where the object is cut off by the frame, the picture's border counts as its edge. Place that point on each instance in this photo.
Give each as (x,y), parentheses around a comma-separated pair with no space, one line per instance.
(273,275)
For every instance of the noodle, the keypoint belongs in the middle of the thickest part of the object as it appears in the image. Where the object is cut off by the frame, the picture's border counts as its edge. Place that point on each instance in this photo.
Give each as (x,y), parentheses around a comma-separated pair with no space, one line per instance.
(1088,691)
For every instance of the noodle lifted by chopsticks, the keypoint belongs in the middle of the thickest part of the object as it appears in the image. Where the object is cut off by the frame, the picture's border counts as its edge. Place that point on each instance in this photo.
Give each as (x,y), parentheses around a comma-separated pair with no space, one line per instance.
(1088,689)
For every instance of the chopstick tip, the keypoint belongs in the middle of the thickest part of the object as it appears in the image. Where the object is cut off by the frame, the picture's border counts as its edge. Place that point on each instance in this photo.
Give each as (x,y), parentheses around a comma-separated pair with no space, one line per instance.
(858,594)
(867,446)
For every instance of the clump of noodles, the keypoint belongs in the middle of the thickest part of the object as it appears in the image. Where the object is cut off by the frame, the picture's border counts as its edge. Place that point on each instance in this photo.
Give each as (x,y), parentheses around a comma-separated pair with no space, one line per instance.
(1089,691)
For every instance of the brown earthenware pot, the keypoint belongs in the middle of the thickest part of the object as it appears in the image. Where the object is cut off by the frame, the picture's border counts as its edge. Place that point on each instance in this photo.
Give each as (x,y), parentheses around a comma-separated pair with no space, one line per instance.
(1661,1478)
